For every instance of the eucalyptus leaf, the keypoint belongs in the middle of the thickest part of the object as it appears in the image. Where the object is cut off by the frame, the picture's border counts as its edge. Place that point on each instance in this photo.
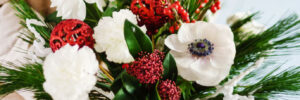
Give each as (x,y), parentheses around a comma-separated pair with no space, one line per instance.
(136,39)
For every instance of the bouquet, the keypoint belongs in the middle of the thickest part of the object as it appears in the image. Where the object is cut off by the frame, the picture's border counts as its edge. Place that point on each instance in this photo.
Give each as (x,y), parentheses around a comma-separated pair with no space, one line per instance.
(152,50)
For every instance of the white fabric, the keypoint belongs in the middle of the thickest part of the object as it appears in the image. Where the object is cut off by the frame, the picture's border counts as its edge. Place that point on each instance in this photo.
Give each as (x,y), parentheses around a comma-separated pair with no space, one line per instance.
(10,45)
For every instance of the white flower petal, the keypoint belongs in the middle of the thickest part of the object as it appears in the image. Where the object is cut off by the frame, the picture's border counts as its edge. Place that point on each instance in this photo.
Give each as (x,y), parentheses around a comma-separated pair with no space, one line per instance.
(100,3)
(70,9)
(173,43)
(67,69)
(109,36)
(211,69)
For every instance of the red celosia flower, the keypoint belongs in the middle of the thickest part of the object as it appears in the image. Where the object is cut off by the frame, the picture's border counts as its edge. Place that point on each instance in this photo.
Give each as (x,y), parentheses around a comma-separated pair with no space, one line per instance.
(148,68)
(168,90)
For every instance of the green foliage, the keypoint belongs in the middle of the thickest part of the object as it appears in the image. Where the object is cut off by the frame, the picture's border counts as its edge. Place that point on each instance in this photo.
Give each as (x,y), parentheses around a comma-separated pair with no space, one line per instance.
(186,88)
(287,80)
(52,18)
(93,14)
(136,40)
(30,77)
(283,36)
(114,68)
(24,12)
(109,11)
(237,25)
(170,68)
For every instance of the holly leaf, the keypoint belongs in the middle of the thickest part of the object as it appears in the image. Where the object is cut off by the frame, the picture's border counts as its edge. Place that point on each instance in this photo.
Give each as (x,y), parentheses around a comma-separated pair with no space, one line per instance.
(136,40)
(109,11)
(170,69)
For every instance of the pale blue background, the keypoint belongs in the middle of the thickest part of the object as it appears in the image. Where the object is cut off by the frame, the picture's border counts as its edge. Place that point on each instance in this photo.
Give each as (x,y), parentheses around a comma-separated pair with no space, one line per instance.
(270,12)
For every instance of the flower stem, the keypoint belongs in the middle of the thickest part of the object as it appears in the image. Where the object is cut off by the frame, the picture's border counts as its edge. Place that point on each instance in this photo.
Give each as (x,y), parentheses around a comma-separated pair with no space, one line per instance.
(105,72)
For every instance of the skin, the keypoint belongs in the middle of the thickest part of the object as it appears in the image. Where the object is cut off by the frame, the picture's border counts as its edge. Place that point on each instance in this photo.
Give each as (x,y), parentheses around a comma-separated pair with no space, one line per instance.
(42,6)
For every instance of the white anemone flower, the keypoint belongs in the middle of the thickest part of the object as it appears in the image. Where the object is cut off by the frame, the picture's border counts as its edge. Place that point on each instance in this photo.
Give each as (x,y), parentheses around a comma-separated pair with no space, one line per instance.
(109,36)
(70,73)
(204,52)
(74,9)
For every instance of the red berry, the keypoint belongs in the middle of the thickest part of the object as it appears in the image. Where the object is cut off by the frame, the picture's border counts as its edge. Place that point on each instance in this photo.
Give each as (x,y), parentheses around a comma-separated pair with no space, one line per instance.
(218,6)
(197,11)
(218,2)
(205,1)
(177,27)
(171,29)
(193,21)
(213,9)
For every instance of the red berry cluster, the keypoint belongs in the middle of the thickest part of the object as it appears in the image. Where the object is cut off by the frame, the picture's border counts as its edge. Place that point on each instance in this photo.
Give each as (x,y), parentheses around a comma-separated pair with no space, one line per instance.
(168,90)
(71,31)
(183,14)
(155,13)
(148,68)
(216,6)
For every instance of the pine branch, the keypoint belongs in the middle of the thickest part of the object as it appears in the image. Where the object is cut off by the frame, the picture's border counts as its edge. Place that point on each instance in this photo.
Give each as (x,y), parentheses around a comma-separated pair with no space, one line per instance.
(29,77)
(286,81)
(283,36)
(24,12)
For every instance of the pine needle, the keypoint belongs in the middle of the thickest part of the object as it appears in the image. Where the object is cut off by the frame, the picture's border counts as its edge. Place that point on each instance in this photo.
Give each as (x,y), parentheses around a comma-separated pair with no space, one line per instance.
(29,77)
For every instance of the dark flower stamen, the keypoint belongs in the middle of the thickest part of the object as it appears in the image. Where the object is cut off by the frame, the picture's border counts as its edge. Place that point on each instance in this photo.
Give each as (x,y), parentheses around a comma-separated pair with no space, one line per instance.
(201,47)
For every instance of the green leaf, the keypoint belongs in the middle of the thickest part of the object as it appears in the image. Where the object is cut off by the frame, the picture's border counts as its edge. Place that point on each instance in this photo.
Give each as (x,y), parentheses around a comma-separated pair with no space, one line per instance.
(53,18)
(109,11)
(130,83)
(133,87)
(154,95)
(114,68)
(170,69)
(122,95)
(93,14)
(136,40)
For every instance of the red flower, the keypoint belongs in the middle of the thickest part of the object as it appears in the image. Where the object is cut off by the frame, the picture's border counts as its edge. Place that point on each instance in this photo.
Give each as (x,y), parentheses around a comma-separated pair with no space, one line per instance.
(71,31)
(148,68)
(168,90)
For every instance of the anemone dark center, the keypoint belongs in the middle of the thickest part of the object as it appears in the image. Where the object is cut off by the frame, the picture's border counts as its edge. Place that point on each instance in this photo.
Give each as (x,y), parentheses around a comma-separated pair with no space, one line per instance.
(201,47)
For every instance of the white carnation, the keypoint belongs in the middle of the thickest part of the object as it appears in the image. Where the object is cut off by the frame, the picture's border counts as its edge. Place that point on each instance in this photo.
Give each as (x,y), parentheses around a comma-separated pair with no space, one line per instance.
(194,60)
(74,9)
(109,36)
(70,73)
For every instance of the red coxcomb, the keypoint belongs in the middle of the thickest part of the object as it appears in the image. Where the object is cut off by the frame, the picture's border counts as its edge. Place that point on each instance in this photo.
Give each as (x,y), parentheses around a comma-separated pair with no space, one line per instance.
(168,90)
(72,31)
(148,68)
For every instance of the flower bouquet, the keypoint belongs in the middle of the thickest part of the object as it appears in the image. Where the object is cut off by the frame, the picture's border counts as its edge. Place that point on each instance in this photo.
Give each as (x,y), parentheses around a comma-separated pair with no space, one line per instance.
(151,50)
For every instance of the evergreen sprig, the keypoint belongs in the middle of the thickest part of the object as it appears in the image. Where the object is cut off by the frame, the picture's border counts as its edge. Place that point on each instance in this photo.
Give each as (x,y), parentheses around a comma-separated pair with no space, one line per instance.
(24,11)
(283,36)
(28,77)
(286,81)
